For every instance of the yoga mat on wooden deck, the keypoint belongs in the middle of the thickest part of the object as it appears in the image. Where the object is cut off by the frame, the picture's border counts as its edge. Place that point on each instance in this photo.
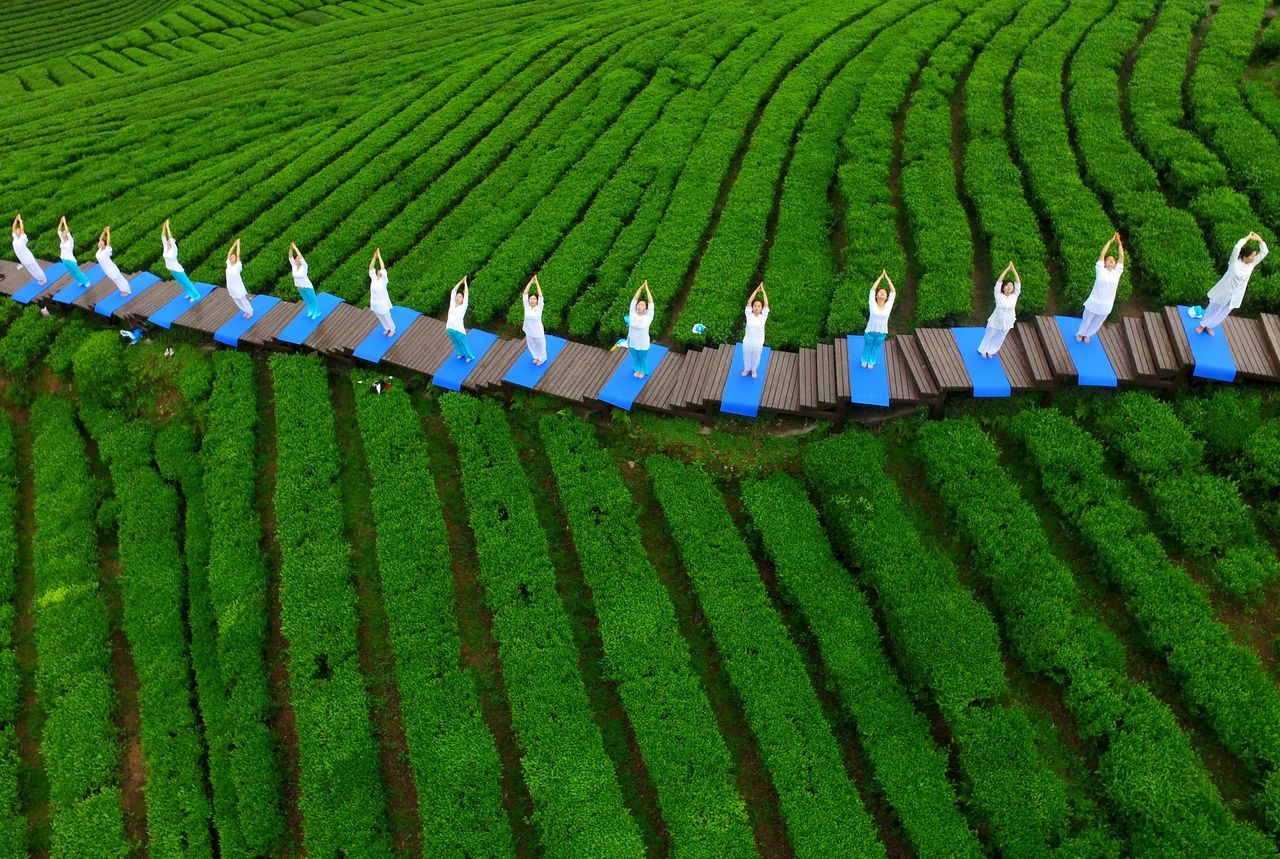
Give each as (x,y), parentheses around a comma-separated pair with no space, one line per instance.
(987,374)
(1212,354)
(115,300)
(32,288)
(525,374)
(179,305)
(376,344)
(303,326)
(1093,367)
(454,371)
(235,327)
(867,387)
(623,387)
(741,394)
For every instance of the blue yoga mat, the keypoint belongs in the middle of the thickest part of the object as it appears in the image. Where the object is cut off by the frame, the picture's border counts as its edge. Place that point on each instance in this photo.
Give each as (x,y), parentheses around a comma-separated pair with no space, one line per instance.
(741,394)
(179,305)
(231,332)
(374,346)
(867,387)
(303,326)
(32,288)
(987,374)
(622,388)
(454,371)
(1093,367)
(73,290)
(524,373)
(115,300)
(1212,354)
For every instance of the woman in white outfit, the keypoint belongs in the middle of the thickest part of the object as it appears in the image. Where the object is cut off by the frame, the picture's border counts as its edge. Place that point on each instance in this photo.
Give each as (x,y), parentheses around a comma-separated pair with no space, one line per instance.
(753,338)
(879,306)
(1102,297)
(67,250)
(1228,293)
(302,280)
(109,266)
(169,250)
(235,281)
(25,257)
(535,337)
(638,330)
(1005,316)
(455,325)
(379,299)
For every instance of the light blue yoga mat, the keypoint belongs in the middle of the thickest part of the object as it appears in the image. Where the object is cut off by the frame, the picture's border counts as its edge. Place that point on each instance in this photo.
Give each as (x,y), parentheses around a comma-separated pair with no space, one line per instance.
(376,344)
(622,388)
(987,374)
(303,326)
(525,374)
(32,288)
(741,394)
(1212,354)
(115,300)
(454,371)
(867,387)
(179,305)
(73,290)
(1093,367)
(231,332)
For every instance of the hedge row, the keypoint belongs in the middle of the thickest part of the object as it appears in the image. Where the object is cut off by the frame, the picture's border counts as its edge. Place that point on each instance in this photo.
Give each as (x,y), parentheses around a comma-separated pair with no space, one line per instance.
(1200,512)
(25,341)
(1150,772)
(237,585)
(675,728)
(578,804)
(451,752)
(13,824)
(908,765)
(947,643)
(73,667)
(1240,442)
(822,809)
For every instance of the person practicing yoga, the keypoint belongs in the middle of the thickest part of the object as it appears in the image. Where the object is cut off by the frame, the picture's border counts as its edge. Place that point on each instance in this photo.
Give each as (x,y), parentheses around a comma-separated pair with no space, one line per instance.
(454,327)
(757,313)
(638,330)
(169,248)
(1102,297)
(379,300)
(1228,293)
(1005,316)
(235,280)
(67,247)
(109,266)
(298,266)
(879,306)
(26,259)
(535,337)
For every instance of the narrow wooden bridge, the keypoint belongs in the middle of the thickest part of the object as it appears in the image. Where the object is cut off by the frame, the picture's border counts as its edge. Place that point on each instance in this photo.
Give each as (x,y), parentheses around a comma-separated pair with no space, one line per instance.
(922,367)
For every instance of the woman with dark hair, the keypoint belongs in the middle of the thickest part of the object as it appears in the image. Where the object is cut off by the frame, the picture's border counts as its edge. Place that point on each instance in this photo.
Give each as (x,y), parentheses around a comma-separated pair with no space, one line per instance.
(109,266)
(235,281)
(379,299)
(169,247)
(25,258)
(879,306)
(455,328)
(67,247)
(1005,316)
(535,336)
(753,338)
(1228,293)
(302,280)
(1102,297)
(638,330)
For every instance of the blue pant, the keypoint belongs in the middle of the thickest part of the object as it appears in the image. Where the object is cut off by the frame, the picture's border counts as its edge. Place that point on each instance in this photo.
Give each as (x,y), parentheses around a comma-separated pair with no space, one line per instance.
(460,345)
(640,360)
(312,305)
(76,274)
(187,286)
(871,343)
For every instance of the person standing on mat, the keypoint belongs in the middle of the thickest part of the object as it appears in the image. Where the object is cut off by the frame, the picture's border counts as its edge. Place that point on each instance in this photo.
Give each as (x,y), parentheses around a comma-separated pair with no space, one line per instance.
(1005,316)
(535,337)
(235,281)
(753,338)
(879,306)
(1228,293)
(25,258)
(638,330)
(169,247)
(455,328)
(379,300)
(298,266)
(1102,297)
(109,266)
(67,248)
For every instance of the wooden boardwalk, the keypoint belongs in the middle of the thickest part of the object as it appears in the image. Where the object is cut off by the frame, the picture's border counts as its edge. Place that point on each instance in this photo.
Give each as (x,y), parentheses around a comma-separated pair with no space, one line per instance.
(923,367)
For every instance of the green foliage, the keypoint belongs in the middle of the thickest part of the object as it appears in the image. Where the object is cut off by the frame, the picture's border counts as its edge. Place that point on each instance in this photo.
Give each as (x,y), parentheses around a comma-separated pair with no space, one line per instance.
(13,824)
(101,374)
(25,341)
(62,352)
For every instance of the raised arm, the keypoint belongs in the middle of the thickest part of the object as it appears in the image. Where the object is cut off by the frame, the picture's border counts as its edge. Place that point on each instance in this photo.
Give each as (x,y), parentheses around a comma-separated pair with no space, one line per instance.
(538,285)
(63,229)
(524,293)
(382,265)
(17,224)
(1102,254)
(648,294)
(1120,249)
(639,292)
(104,238)
(764,296)
(892,289)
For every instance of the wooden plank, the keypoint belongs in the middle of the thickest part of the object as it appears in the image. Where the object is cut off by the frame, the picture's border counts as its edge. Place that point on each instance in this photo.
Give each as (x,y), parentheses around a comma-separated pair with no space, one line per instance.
(1271,332)
(807,378)
(843,391)
(825,370)
(1111,334)
(265,331)
(210,314)
(14,276)
(654,394)
(1055,349)
(143,304)
(52,286)
(1248,345)
(1178,336)
(601,367)
(781,393)
(691,373)
(1135,336)
(716,375)
(943,357)
(1162,351)
(494,364)
(1017,369)
(342,330)
(423,348)
(1037,358)
(902,385)
(909,348)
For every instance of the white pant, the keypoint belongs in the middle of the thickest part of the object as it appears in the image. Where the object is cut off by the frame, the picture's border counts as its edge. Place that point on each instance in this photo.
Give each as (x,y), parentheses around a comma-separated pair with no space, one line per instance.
(33,268)
(388,324)
(1213,315)
(1090,322)
(537,347)
(242,302)
(751,356)
(121,284)
(992,340)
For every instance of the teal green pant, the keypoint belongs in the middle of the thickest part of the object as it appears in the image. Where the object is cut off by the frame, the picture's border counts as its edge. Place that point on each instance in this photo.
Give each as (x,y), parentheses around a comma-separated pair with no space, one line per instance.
(187,286)
(460,345)
(312,303)
(871,343)
(76,274)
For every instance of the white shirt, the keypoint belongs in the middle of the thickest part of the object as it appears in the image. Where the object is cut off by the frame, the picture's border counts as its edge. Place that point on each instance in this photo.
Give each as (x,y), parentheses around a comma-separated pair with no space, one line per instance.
(533,319)
(20,248)
(379,300)
(877,318)
(300,278)
(457,311)
(1006,313)
(1230,289)
(67,246)
(169,249)
(235,283)
(108,265)
(1103,295)
(638,330)
(754,335)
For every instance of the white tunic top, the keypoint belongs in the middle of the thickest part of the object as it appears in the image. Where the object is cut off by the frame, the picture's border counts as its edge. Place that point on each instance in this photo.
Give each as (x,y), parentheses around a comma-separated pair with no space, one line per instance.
(754,335)
(877,318)
(67,246)
(1230,289)
(169,249)
(1006,312)
(108,265)
(457,312)
(638,330)
(21,250)
(235,283)
(379,300)
(533,319)
(1103,295)
(300,278)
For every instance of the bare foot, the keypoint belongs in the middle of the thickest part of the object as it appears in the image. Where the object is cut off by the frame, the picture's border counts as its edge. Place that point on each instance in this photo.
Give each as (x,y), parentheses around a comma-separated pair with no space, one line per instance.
(1199,329)
(248,316)
(1210,332)
(1079,339)
(745,372)
(1086,339)
(638,374)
